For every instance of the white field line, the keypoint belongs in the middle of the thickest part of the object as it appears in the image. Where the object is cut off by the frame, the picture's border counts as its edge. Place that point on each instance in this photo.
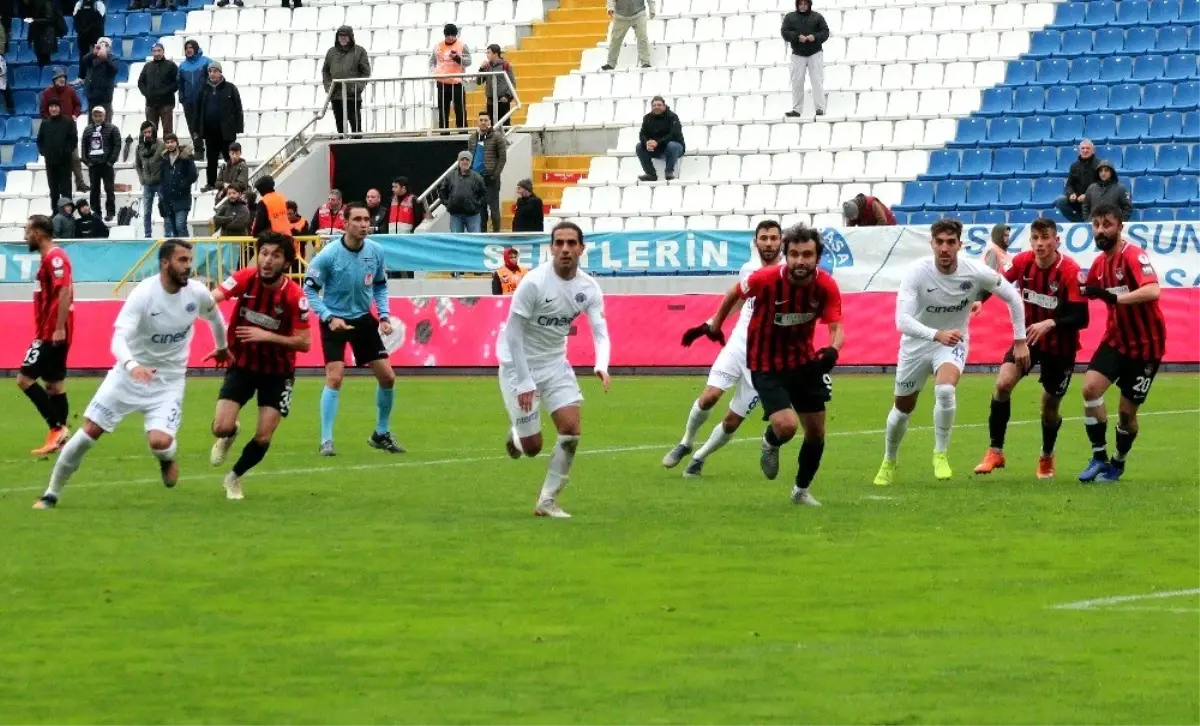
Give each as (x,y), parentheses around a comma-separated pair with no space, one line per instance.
(1106,602)
(480,459)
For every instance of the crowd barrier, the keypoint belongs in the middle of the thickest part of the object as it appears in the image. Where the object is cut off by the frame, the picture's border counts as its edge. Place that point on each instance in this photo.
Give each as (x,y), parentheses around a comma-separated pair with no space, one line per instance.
(452,332)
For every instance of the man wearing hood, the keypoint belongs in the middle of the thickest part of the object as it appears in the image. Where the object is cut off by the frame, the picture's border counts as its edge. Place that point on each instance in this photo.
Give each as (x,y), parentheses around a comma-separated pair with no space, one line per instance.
(1107,189)
(178,173)
(193,74)
(158,83)
(465,195)
(56,142)
(529,215)
(64,219)
(88,225)
(1082,175)
(219,115)
(506,277)
(147,161)
(345,59)
(451,56)
(69,106)
(98,69)
(661,137)
(100,148)
(806,31)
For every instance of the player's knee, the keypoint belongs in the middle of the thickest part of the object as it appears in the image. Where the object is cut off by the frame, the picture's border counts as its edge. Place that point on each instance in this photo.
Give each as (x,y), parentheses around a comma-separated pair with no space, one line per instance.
(945,395)
(708,398)
(568,442)
(334,381)
(785,427)
(386,378)
(531,446)
(1093,390)
(263,439)
(223,430)
(160,440)
(731,422)
(24,382)
(1003,389)
(905,404)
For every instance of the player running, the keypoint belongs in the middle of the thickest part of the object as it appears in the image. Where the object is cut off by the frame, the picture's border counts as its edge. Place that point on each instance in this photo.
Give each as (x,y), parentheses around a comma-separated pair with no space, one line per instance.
(150,341)
(1135,340)
(932,307)
(791,378)
(46,357)
(532,352)
(341,282)
(1055,311)
(269,326)
(729,370)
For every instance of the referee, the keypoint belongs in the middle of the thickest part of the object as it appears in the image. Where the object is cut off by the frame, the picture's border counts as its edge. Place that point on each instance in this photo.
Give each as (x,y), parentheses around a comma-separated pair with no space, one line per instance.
(341,282)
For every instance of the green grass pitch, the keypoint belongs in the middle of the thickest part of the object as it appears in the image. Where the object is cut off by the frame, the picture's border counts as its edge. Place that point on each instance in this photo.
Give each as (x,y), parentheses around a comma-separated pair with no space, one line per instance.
(418,588)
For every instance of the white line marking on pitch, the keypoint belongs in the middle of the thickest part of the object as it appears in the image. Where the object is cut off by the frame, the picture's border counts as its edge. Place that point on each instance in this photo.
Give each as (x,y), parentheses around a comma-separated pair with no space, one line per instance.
(481,459)
(1104,602)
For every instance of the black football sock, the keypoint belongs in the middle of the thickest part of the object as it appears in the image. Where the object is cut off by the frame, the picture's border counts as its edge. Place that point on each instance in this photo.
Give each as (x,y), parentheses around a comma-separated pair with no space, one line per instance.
(1124,443)
(1097,434)
(998,422)
(41,401)
(774,440)
(252,453)
(1050,435)
(810,460)
(58,403)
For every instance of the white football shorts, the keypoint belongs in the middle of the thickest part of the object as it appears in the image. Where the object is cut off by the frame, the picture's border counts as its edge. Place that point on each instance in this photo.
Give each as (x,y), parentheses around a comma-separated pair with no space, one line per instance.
(557,388)
(160,402)
(730,371)
(918,360)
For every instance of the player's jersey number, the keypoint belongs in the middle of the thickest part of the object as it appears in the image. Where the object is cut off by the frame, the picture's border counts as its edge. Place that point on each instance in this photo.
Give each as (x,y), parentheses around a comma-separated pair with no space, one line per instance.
(960,353)
(34,352)
(828,381)
(1142,384)
(285,399)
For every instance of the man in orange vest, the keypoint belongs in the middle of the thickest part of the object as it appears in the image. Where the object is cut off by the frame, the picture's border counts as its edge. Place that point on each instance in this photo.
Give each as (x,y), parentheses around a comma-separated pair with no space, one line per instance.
(299,225)
(405,212)
(272,209)
(506,278)
(449,57)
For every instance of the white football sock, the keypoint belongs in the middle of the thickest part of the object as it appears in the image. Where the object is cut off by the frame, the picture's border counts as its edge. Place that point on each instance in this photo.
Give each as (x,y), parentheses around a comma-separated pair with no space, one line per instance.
(696,418)
(167,454)
(69,460)
(943,416)
(558,473)
(718,438)
(897,424)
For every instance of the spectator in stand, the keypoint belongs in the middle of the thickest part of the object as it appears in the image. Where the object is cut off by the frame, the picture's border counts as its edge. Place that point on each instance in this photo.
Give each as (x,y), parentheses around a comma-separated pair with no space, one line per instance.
(864,211)
(499,88)
(193,75)
(272,211)
(100,148)
(219,114)
(46,26)
(995,254)
(293,3)
(158,83)
(298,225)
(1107,190)
(1084,172)
(449,57)
(529,214)
(405,212)
(329,217)
(225,3)
(152,4)
(64,219)
(88,225)
(237,171)
(489,154)
(506,277)
(98,69)
(69,104)
(465,196)
(6,87)
(178,173)
(56,139)
(89,23)
(661,137)
(626,14)
(346,59)
(377,211)
(233,217)
(147,161)
(807,32)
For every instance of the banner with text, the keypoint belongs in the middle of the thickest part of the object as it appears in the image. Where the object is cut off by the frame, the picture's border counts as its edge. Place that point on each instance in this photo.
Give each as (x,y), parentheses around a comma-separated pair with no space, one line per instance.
(110,260)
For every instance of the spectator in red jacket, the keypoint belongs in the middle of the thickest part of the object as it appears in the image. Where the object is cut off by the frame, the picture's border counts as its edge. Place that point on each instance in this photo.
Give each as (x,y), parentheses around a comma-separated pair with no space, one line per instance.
(69,106)
(864,211)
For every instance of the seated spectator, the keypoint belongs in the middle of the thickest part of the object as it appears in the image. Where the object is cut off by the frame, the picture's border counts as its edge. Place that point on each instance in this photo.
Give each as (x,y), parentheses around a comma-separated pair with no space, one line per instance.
(237,171)
(661,137)
(1107,189)
(88,225)
(506,278)
(299,225)
(89,23)
(329,217)
(864,211)
(529,214)
(1082,175)
(465,195)
(64,219)
(233,218)
(405,212)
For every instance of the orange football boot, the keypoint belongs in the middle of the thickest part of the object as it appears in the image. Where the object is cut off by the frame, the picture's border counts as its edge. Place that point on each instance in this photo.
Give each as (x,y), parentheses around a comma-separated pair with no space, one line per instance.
(992,460)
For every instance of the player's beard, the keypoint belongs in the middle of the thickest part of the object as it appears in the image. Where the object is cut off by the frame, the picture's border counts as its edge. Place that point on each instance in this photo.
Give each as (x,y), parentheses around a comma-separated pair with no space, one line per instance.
(269,277)
(179,278)
(800,274)
(1104,243)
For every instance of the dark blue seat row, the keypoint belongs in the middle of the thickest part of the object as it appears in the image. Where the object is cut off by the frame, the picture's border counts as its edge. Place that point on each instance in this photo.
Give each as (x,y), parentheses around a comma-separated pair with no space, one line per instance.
(1052,100)
(1039,130)
(973,196)
(1109,41)
(21,54)
(1087,70)
(1009,162)
(24,152)
(1126,13)
(1025,215)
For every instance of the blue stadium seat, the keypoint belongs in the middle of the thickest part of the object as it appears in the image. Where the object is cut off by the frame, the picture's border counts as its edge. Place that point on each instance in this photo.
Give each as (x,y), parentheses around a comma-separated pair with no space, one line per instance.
(1193,41)
(1185,96)
(1020,73)
(1022,216)
(949,194)
(1084,70)
(1155,214)
(27,103)
(20,53)
(1157,96)
(970,132)
(1130,13)
(1140,41)
(1066,156)
(974,164)
(1124,97)
(1029,99)
(1181,67)
(1070,14)
(1092,98)
(1172,159)
(981,195)
(923,219)
(942,164)
(23,153)
(18,128)
(917,194)
(17,30)
(1002,131)
(137,24)
(1180,191)
(1148,189)
(1133,126)
(1099,127)
(1045,192)
(1115,69)
(1163,12)
(1139,159)
(1189,131)
(172,22)
(1189,12)
(1036,130)
(1040,161)
(1107,41)
(1006,162)
(1164,127)
(1053,215)
(1099,14)
(1061,99)
(1171,39)
(1075,43)
(26,77)
(995,102)
(1014,193)
(1043,44)
(47,77)
(901,217)
(142,45)
(990,216)
(1148,68)
(1188,214)
(1193,164)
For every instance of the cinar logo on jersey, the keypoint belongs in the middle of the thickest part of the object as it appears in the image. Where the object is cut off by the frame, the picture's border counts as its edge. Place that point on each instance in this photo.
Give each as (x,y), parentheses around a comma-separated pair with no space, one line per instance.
(949,308)
(554,321)
(170,338)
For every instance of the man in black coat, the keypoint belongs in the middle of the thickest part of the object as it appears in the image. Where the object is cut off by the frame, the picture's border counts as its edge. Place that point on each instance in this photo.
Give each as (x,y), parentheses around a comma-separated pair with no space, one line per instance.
(1085,171)
(661,137)
(56,142)
(529,215)
(99,150)
(98,70)
(220,118)
(806,31)
(88,225)
(158,83)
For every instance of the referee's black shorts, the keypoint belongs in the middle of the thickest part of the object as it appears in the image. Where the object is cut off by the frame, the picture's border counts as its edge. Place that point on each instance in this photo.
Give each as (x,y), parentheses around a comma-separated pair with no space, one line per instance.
(363,338)
(806,389)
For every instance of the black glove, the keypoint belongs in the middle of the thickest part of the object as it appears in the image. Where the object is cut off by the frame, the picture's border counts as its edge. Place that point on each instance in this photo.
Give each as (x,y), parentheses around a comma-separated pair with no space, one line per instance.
(691,335)
(1095,292)
(827,359)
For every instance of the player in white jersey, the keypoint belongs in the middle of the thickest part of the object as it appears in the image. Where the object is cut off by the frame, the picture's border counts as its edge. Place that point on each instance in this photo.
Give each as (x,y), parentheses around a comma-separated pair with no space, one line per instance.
(151,339)
(729,370)
(932,307)
(532,353)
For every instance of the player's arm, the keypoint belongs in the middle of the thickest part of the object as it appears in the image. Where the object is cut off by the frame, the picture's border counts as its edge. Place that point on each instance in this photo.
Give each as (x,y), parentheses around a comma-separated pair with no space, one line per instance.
(212,315)
(907,306)
(832,316)
(1004,290)
(233,286)
(1148,292)
(600,338)
(124,328)
(734,298)
(519,314)
(64,309)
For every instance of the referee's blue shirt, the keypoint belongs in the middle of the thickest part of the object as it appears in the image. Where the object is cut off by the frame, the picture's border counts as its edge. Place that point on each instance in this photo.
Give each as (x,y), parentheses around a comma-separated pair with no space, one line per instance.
(342,283)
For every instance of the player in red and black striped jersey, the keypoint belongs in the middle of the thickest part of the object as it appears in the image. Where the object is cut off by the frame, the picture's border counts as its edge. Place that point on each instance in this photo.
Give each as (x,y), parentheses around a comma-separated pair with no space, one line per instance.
(1135,340)
(1055,312)
(791,377)
(46,357)
(268,327)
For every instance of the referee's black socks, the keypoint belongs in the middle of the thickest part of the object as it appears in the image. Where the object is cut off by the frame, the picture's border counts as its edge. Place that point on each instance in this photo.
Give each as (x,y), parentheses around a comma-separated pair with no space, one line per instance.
(252,453)
(810,460)
(41,401)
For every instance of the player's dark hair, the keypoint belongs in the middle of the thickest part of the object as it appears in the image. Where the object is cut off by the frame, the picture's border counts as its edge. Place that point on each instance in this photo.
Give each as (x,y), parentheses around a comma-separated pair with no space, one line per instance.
(1108,210)
(1044,225)
(946,224)
(41,224)
(767,224)
(348,208)
(567,225)
(167,250)
(798,233)
(286,244)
